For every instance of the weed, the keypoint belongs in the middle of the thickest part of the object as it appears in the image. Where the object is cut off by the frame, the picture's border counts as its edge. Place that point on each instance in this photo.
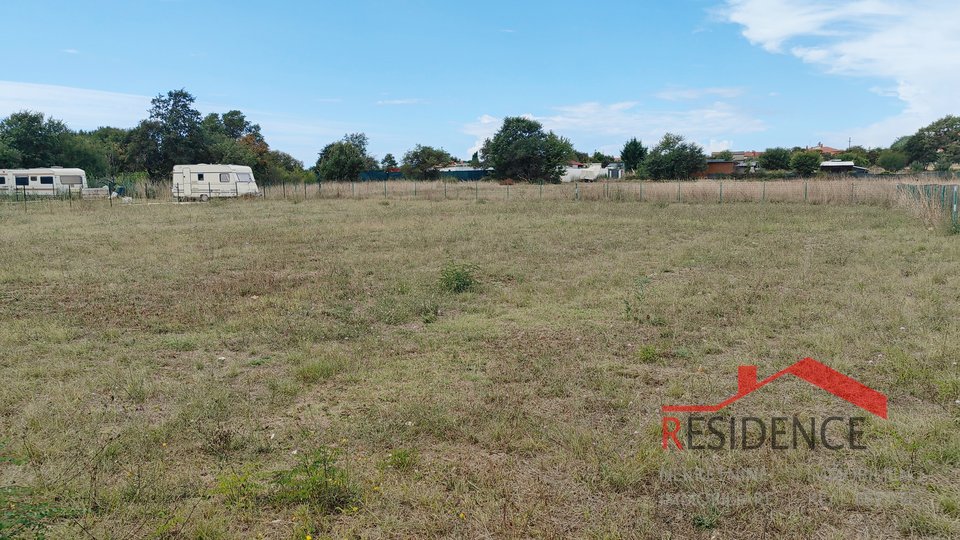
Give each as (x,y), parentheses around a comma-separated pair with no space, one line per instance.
(317,481)
(320,369)
(708,520)
(400,459)
(633,305)
(647,354)
(458,277)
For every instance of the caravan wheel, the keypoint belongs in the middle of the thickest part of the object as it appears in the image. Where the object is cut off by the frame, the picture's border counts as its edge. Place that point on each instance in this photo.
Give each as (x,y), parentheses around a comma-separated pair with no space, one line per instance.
(204,198)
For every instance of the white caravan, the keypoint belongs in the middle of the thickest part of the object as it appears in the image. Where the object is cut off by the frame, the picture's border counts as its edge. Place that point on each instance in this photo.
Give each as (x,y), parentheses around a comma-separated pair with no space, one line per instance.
(49,181)
(205,182)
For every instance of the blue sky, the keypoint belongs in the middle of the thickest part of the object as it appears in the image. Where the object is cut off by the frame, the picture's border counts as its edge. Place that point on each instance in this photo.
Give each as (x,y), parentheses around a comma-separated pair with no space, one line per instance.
(740,74)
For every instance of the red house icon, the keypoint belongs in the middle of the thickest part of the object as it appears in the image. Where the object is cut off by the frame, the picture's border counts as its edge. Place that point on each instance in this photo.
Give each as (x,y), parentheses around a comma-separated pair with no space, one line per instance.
(809,370)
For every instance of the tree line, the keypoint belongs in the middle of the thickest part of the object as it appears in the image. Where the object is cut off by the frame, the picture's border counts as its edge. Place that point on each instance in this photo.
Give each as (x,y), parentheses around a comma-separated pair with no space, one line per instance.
(175,132)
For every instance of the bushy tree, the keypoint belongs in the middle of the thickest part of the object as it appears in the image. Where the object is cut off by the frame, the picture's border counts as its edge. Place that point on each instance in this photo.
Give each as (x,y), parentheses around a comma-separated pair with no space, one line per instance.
(32,139)
(892,160)
(521,150)
(423,161)
(725,155)
(344,159)
(633,154)
(775,159)
(674,158)
(805,163)
(939,140)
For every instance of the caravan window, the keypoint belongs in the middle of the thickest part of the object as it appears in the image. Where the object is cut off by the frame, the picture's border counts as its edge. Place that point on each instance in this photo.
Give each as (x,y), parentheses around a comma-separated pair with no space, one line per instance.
(73,179)
(244,177)
(22,180)
(3,180)
(199,177)
(33,178)
(46,180)
(224,177)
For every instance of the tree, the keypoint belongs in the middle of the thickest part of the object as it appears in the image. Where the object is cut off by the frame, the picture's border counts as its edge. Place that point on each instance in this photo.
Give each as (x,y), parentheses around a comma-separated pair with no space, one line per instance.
(172,135)
(900,144)
(9,157)
(858,159)
(673,158)
(388,163)
(724,155)
(775,159)
(423,161)
(805,163)
(32,139)
(939,140)
(521,150)
(602,159)
(475,160)
(892,160)
(344,159)
(633,154)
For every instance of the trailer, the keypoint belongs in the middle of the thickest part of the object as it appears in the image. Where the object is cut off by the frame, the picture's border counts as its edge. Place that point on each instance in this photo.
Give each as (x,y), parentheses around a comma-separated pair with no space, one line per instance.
(43,181)
(204,182)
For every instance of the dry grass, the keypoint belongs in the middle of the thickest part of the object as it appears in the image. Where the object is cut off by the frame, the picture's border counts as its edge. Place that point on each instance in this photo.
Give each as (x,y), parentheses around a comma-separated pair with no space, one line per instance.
(166,368)
(814,191)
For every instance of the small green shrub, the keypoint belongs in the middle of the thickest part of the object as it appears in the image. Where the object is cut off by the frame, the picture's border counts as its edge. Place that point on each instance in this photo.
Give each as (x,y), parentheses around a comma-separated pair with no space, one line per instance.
(647,354)
(319,369)
(319,482)
(400,459)
(458,277)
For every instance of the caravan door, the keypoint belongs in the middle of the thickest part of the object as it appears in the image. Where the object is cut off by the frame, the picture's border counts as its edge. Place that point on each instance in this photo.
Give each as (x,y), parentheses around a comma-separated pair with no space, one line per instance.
(186,184)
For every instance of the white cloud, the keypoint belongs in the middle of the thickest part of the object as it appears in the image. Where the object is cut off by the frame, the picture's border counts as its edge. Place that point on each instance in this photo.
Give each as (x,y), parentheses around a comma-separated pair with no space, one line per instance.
(594,121)
(688,94)
(79,108)
(913,44)
(405,101)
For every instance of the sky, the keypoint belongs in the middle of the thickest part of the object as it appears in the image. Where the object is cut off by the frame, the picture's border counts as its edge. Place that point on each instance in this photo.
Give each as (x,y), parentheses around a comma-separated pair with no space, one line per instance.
(727,74)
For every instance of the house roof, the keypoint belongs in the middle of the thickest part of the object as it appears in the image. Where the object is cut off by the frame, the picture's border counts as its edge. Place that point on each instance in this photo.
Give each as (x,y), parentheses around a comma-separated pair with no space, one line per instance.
(837,163)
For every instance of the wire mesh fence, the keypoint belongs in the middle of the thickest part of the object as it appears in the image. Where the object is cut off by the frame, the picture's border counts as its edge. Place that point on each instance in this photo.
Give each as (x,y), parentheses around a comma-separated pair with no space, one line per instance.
(841,191)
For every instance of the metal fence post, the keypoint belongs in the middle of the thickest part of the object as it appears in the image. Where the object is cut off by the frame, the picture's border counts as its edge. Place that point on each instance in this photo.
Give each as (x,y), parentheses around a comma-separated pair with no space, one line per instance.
(763,194)
(721,192)
(804,190)
(678,190)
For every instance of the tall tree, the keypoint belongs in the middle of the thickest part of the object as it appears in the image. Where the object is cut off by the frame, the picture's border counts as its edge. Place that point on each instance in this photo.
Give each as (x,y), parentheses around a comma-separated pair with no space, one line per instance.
(939,140)
(674,158)
(388,163)
(805,163)
(423,161)
(775,159)
(521,150)
(633,154)
(174,129)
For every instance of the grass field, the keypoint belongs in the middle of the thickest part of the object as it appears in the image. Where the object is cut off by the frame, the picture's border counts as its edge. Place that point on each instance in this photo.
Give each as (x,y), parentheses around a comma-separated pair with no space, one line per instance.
(411,368)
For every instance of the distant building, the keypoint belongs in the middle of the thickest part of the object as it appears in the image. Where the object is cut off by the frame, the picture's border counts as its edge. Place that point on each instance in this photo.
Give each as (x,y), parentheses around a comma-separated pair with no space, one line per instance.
(719,167)
(825,150)
(836,166)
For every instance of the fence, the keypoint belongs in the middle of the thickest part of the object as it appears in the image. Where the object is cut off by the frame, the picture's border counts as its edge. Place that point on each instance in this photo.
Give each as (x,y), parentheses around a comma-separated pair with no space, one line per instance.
(833,191)
(842,191)
(936,198)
